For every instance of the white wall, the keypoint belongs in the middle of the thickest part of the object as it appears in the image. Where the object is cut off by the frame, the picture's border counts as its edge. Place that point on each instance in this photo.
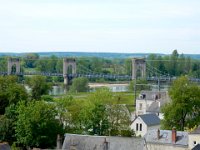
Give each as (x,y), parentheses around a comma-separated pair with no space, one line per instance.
(145,128)
(139,121)
(153,127)
(145,104)
(193,138)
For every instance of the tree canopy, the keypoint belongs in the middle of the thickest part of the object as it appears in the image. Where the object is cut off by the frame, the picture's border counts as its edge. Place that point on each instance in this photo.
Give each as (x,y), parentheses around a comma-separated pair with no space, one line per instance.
(184,108)
(79,85)
(36,125)
(10,92)
(38,86)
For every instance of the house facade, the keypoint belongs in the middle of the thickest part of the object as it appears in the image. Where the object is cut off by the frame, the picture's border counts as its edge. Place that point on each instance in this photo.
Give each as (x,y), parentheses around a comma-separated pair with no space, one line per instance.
(150,102)
(142,123)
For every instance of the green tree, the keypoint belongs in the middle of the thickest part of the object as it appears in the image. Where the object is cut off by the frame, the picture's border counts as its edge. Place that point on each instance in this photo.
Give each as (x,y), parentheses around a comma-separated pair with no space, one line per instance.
(174,63)
(128,66)
(36,125)
(7,124)
(10,92)
(38,86)
(30,60)
(79,85)
(184,107)
(104,115)
(119,120)
(52,64)
(3,64)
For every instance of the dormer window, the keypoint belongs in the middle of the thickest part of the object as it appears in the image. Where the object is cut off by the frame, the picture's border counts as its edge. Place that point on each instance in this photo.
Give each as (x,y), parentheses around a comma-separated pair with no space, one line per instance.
(155,96)
(142,96)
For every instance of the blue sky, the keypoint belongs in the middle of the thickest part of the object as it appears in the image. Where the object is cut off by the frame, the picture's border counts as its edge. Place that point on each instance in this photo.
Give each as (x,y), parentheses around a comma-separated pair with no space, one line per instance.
(156,26)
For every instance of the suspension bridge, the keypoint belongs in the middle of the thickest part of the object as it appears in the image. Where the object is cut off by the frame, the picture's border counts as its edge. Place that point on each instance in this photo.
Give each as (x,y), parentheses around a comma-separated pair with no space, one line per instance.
(139,69)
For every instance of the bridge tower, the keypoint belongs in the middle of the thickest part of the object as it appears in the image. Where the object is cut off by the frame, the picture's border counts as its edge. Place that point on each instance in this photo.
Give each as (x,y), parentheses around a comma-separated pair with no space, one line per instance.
(67,63)
(13,62)
(138,68)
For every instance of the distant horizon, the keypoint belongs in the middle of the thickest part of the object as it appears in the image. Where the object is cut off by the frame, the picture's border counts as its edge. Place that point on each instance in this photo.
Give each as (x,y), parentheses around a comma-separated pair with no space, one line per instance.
(98,52)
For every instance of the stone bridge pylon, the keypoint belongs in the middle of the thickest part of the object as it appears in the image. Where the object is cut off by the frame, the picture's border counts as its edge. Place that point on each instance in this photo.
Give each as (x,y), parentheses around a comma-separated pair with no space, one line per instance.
(13,66)
(68,63)
(138,68)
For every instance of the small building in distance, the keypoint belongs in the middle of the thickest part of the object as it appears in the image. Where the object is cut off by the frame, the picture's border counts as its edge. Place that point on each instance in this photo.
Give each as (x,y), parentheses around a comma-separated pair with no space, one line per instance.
(142,123)
(166,140)
(150,102)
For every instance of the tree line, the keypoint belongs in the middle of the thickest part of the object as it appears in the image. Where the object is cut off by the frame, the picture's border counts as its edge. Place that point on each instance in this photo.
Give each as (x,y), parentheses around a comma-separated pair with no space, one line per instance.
(170,65)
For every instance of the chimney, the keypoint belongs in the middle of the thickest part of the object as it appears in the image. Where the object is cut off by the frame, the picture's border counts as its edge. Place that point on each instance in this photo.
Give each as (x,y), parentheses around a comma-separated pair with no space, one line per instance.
(105,145)
(58,142)
(173,135)
(158,134)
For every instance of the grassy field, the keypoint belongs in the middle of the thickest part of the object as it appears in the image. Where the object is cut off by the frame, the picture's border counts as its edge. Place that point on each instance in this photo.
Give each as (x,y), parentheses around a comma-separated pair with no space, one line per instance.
(126,98)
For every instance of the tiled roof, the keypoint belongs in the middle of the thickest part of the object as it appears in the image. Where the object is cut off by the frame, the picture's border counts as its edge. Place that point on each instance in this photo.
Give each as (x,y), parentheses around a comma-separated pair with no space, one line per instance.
(150,119)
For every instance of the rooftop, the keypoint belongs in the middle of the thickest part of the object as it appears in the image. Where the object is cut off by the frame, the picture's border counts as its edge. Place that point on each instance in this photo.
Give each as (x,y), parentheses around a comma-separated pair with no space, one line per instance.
(197,147)
(166,137)
(152,95)
(196,131)
(154,107)
(150,119)
(88,142)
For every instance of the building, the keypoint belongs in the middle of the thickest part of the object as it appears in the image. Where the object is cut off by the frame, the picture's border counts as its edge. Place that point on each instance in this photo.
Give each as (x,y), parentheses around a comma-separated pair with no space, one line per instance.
(166,140)
(194,139)
(88,142)
(150,102)
(142,123)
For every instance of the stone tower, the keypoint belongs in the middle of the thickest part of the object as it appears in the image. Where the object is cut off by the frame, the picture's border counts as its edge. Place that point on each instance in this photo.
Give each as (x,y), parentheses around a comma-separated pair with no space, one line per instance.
(11,63)
(138,68)
(67,62)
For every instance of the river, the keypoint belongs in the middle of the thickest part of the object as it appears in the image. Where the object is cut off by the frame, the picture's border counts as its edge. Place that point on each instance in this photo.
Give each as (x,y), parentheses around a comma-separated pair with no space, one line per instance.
(59,90)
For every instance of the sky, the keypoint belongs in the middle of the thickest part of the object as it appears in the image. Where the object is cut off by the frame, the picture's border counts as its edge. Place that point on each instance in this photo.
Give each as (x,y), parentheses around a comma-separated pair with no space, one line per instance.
(127,26)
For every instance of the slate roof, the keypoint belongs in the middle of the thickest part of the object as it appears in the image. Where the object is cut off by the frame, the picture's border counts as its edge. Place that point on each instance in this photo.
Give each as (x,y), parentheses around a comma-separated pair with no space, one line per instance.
(196,131)
(166,137)
(150,95)
(150,119)
(88,142)
(197,147)
(154,107)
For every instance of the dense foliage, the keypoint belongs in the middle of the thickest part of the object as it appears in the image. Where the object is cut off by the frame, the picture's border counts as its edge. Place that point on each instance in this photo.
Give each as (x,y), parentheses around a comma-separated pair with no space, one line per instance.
(38,86)
(35,119)
(36,125)
(10,92)
(79,85)
(183,111)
